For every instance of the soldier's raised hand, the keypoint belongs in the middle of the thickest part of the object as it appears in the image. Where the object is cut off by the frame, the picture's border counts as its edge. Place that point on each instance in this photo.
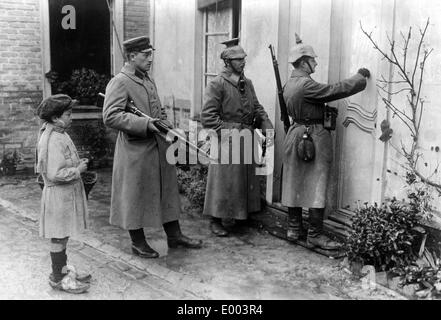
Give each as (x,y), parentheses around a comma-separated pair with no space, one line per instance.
(364,72)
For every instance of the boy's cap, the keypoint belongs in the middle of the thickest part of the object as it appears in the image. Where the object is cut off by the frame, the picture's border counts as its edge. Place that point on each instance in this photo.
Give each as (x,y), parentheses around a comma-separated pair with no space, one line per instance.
(55,104)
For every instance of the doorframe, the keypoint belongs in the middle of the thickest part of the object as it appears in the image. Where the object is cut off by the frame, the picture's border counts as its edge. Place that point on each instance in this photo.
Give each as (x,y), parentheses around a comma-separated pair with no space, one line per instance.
(45,47)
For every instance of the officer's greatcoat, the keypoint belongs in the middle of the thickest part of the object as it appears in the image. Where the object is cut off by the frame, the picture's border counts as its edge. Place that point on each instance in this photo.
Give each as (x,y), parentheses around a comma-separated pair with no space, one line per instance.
(233,190)
(304,183)
(144,185)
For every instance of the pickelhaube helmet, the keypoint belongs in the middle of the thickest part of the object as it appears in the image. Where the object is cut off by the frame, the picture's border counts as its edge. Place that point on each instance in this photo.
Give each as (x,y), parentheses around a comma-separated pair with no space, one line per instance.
(233,50)
(300,50)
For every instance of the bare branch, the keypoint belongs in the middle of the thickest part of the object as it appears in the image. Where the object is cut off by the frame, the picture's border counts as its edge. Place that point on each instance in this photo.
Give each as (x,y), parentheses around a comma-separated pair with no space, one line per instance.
(423,33)
(376,47)
(434,171)
(420,116)
(406,46)
(399,91)
(423,63)
(395,109)
(397,150)
(389,81)
(427,181)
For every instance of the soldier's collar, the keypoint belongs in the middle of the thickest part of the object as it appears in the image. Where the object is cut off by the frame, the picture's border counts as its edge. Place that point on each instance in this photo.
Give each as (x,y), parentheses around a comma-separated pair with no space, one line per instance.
(232,77)
(299,73)
(134,73)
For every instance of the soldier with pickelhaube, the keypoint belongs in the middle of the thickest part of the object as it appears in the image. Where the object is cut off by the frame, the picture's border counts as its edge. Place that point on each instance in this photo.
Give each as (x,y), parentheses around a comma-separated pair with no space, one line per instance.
(304,183)
(144,189)
(230,102)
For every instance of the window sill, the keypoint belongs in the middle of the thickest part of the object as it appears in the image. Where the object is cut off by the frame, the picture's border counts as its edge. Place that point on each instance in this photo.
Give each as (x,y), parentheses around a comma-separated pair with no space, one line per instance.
(85,112)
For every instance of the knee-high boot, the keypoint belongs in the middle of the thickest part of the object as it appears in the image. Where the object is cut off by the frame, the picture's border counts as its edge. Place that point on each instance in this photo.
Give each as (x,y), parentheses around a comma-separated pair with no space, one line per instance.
(295,230)
(316,238)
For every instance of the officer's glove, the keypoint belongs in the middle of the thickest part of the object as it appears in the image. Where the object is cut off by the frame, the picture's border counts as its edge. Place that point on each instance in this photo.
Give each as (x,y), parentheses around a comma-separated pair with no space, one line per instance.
(364,72)
(167,123)
(151,126)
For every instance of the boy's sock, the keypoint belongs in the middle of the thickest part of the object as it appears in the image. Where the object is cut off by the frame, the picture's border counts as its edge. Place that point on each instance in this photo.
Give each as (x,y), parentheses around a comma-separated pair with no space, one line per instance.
(58,262)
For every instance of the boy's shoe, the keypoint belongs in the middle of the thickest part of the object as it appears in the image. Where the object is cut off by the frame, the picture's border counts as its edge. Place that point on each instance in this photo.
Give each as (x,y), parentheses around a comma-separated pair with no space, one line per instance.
(70,285)
(70,282)
(85,278)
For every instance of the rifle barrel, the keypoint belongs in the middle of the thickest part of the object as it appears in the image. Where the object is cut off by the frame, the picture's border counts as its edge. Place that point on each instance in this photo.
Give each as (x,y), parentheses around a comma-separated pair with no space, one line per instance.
(164,129)
(283,110)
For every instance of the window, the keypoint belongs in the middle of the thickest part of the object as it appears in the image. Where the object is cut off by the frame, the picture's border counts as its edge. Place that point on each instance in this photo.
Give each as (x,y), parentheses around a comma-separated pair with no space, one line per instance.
(88,45)
(221,22)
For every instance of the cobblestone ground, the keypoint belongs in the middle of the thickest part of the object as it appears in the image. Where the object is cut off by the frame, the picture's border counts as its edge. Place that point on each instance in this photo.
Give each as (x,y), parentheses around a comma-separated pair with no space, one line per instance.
(25,266)
(250,264)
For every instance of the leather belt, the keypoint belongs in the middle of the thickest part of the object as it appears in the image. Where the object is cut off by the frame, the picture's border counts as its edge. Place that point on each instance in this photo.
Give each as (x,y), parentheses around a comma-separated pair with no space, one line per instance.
(244,123)
(308,121)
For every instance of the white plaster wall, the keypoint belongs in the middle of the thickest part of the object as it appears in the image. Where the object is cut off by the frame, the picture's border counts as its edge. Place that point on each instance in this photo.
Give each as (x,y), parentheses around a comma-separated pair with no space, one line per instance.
(315,30)
(174,39)
(259,30)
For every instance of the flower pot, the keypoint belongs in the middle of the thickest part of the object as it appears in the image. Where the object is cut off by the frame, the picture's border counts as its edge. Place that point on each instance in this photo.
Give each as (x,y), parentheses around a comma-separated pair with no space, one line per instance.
(10,170)
(355,267)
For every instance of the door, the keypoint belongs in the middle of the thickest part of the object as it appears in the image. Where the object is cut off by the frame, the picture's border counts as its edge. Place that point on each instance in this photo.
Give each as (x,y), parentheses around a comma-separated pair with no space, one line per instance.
(358,173)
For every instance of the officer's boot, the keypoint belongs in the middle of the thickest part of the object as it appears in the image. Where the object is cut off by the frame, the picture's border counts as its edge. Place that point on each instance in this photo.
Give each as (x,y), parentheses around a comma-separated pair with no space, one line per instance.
(140,246)
(176,239)
(295,230)
(316,238)
(217,228)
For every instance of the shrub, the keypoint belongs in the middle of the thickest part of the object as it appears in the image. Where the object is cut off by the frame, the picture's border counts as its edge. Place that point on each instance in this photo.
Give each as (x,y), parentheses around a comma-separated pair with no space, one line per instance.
(383,236)
(192,181)
(426,273)
(83,84)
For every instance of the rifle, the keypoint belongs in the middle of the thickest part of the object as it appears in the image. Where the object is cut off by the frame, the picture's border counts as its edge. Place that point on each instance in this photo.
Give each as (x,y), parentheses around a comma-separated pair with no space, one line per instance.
(164,129)
(283,111)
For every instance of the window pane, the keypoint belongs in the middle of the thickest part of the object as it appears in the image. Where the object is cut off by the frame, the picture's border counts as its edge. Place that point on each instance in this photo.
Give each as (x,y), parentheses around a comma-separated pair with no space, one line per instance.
(219,17)
(214,49)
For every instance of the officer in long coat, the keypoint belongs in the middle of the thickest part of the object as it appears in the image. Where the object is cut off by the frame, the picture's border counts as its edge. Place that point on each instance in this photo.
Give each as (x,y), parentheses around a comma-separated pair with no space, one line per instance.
(230,102)
(304,183)
(144,188)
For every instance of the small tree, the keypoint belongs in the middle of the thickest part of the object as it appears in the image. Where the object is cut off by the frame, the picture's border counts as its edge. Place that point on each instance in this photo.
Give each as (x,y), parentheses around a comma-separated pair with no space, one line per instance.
(411,74)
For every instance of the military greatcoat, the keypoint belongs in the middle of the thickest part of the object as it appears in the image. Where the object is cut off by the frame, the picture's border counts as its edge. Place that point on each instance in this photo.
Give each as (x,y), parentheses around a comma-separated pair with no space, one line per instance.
(304,184)
(144,184)
(233,190)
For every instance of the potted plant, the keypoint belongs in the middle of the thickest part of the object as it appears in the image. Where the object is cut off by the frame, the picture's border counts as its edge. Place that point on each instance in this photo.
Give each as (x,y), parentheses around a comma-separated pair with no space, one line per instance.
(83,84)
(86,84)
(9,162)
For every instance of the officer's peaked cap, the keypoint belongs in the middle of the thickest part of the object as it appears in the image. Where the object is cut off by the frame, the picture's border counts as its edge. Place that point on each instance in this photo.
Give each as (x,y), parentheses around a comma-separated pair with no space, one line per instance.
(137,44)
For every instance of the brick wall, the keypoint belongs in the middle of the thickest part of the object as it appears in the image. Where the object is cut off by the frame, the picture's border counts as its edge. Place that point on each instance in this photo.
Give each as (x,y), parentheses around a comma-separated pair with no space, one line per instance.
(21,70)
(20,76)
(136,18)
